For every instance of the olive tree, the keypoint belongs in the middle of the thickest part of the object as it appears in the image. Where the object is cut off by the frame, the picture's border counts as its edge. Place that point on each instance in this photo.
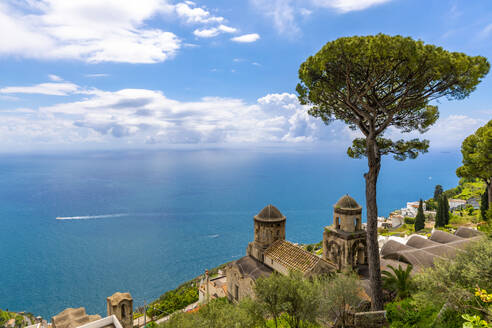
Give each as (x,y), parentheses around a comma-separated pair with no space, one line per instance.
(372,83)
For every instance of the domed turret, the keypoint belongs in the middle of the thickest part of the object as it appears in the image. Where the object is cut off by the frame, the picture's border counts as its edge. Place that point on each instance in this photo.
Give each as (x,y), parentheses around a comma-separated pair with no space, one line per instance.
(347,205)
(269,227)
(347,214)
(269,214)
(344,242)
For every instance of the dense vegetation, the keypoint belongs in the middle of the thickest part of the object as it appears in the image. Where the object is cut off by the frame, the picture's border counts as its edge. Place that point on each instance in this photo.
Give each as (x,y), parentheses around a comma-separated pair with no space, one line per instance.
(282,301)
(466,189)
(20,321)
(477,158)
(177,299)
(443,294)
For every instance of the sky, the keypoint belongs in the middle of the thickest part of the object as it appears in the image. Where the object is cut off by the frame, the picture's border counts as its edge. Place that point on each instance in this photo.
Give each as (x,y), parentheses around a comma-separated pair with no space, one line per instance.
(117,74)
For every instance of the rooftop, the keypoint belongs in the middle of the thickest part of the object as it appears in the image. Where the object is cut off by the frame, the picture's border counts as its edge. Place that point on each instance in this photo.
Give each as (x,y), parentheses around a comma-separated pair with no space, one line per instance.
(73,318)
(116,298)
(248,266)
(347,205)
(293,257)
(270,213)
(421,252)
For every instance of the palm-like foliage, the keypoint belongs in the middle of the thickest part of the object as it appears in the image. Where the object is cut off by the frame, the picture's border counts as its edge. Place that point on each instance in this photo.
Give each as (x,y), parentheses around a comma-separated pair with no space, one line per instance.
(398,281)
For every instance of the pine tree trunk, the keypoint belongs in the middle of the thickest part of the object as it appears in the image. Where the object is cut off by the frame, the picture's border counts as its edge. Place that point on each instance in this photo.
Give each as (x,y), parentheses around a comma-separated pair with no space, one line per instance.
(374,163)
(489,192)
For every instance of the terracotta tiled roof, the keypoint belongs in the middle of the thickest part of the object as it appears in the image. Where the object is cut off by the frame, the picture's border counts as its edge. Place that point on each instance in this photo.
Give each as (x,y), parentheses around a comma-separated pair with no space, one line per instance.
(292,257)
(248,266)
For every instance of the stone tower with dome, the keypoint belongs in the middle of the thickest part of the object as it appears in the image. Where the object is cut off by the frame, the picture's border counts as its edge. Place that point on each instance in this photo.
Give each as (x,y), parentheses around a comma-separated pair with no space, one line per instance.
(344,242)
(269,226)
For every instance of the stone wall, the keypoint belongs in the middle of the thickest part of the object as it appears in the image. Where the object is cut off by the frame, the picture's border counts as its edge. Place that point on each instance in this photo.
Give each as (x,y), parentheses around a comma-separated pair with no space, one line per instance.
(238,287)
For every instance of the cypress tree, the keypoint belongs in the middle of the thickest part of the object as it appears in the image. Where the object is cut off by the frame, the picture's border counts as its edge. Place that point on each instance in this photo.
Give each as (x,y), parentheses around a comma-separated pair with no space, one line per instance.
(439,219)
(445,210)
(420,219)
(437,192)
(484,205)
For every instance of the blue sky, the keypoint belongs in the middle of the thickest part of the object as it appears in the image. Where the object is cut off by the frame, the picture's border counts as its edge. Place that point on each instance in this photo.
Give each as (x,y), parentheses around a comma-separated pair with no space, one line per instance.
(105,74)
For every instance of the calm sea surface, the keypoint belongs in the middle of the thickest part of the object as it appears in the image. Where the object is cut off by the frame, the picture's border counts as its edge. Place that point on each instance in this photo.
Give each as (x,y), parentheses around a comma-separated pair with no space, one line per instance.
(166,216)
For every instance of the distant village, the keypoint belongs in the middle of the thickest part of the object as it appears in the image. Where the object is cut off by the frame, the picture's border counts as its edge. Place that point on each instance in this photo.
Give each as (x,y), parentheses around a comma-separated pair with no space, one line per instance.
(397,218)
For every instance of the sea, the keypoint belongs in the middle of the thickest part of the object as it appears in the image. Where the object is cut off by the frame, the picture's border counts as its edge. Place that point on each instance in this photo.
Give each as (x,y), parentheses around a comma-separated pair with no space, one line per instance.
(146,221)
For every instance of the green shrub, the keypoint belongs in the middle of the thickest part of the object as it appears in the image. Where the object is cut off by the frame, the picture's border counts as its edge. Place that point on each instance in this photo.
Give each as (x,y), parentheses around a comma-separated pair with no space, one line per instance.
(403,314)
(409,220)
(174,300)
(453,282)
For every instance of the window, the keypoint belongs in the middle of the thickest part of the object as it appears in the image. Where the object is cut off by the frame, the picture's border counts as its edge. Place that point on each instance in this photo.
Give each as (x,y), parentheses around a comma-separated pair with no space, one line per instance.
(236,294)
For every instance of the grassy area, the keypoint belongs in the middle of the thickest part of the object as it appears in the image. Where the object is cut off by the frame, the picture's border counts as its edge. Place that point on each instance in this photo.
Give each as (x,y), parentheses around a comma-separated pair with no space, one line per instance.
(467,189)
(314,248)
(403,230)
(178,298)
(465,216)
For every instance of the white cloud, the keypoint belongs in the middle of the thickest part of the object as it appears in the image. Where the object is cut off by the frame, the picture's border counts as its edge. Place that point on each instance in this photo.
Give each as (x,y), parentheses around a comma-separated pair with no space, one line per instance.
(486,31)
(246,38)
(97,30)
(55,78)
(140,116)
(193,14)
(345,6)
(227,29)
(96,75)
(213,31)
(54,89)
(282,12)
(448,132)
(285,14)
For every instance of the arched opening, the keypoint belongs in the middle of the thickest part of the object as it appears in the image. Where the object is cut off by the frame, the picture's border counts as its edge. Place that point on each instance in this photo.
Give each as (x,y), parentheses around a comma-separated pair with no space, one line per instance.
(337,223)
(361,255)
(123,311)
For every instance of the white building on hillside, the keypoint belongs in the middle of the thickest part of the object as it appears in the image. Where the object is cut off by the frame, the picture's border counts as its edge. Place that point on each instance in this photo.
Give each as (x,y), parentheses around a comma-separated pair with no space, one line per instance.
(411,209)
(456,204)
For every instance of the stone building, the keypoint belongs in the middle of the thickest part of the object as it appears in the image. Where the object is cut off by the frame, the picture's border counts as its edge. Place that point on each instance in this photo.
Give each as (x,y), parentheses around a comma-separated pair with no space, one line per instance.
(121,306)
(344,242)
(270,252)
(73,318)
(120,315)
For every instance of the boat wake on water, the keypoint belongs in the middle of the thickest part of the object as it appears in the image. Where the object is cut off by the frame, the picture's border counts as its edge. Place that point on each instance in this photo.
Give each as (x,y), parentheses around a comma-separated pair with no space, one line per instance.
(89,217)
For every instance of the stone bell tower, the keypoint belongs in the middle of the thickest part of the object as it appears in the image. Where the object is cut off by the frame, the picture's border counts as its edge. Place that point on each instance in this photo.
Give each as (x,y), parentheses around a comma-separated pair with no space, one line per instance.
(344,242)
(269,226)
(121,305)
